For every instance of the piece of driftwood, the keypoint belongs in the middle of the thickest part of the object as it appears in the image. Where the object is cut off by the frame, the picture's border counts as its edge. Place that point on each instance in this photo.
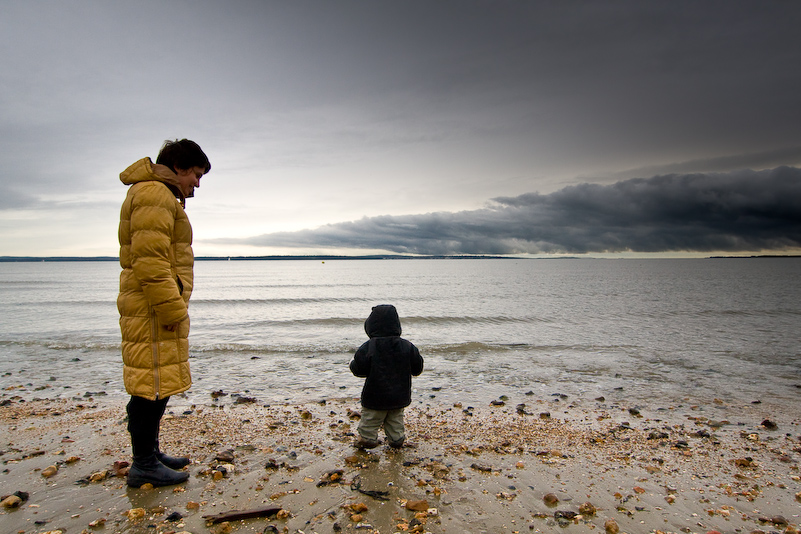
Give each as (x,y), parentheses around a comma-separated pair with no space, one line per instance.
(236,515)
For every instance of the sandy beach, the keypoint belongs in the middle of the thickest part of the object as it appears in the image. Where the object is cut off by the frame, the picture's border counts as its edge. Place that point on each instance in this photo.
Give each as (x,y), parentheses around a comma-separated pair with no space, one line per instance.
(554,464)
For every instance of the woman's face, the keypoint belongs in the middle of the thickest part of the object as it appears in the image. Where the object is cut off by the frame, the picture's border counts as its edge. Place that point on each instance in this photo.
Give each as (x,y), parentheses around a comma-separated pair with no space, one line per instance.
(189,179)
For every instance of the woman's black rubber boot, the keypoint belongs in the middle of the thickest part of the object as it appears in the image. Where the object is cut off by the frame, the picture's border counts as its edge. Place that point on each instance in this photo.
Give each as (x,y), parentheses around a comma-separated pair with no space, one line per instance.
(149,470)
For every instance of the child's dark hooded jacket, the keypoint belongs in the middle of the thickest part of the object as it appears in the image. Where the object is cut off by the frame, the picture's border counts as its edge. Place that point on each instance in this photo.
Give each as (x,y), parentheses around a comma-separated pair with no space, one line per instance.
(387,361)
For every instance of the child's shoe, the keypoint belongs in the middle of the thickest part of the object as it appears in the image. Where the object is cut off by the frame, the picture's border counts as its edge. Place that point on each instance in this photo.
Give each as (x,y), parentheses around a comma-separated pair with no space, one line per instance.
(362,443)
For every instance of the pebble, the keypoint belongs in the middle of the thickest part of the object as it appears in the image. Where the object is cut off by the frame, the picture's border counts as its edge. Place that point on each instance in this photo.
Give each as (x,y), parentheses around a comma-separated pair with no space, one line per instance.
(226,456)
(769,425)
(49,471)
(12,501)
(564,514)
(135,513)
(417,506)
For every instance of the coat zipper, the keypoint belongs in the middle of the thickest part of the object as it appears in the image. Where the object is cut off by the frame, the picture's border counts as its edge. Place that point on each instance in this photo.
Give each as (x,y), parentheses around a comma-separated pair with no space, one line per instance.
(155,350)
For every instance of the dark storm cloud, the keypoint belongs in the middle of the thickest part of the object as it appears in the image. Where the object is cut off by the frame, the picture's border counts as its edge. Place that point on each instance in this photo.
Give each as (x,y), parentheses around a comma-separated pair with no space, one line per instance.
(790,156)
(737,211)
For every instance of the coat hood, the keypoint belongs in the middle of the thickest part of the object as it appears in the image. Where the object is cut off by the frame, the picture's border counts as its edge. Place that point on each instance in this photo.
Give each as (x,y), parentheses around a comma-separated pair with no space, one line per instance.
(145,171)
(383,322)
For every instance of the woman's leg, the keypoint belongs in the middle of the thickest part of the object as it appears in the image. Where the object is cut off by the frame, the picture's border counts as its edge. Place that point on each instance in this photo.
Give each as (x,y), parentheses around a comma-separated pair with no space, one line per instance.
(173,462)
(143,423)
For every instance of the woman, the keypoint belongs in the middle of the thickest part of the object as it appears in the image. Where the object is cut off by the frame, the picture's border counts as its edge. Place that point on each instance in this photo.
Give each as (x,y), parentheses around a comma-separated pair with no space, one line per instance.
(155,286)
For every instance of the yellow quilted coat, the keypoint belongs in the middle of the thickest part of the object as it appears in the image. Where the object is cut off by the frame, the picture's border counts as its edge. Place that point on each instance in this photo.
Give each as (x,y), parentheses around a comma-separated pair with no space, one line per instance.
(155,283)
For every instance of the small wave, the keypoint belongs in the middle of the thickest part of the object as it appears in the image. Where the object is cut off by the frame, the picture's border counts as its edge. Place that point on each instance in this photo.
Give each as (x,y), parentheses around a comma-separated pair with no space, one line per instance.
(773,312)
(63,345)
(277,301)
(498,319)
(252,349)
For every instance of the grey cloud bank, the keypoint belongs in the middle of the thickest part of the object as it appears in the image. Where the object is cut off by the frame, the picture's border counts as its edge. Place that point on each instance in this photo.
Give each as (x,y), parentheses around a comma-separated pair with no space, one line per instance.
(730,212)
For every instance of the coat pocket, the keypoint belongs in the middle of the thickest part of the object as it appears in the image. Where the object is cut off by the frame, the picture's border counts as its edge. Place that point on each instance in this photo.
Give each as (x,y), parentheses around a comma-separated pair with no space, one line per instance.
(180,285)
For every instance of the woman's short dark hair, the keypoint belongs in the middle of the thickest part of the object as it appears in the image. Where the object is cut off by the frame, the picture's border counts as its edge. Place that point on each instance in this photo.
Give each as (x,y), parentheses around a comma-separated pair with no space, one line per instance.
(183,154)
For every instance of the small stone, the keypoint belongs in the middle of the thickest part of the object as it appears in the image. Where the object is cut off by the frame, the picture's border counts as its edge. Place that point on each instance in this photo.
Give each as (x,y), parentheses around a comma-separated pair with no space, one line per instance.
(121,468)
(417,506)
(587,509)
(49,471)
(779,521)
(135,513)
(226,456)
(192,505)
(769,425)
(356,518)
(481,467)
(550,499)
(358,507)
(98,523)
(175,516)
(99,476)
(798,496)
(12,501)
(611,526)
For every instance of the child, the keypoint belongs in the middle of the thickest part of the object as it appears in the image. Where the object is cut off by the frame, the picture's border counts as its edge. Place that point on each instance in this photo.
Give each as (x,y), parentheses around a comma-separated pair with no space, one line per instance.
(387,362)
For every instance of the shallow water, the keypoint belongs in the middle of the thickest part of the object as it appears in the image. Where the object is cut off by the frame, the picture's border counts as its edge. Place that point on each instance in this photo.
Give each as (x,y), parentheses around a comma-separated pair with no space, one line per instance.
(284,331)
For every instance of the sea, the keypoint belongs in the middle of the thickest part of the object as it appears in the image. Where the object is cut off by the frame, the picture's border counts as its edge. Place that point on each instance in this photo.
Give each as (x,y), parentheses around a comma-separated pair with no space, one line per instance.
(647,331)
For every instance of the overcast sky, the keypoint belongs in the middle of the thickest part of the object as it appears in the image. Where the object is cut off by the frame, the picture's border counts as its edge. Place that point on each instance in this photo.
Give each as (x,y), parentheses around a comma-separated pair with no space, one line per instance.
(433,127)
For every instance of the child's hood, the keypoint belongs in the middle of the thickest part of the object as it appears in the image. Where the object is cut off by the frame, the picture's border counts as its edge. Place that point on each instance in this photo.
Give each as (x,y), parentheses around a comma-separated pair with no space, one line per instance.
(383,322)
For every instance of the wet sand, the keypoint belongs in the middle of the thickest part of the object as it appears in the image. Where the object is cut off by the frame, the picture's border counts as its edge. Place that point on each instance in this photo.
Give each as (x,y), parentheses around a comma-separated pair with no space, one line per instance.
(521,465)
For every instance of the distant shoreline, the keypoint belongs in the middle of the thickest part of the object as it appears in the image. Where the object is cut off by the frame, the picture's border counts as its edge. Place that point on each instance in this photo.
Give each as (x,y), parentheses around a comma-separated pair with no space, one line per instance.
(258,258)
(20,259)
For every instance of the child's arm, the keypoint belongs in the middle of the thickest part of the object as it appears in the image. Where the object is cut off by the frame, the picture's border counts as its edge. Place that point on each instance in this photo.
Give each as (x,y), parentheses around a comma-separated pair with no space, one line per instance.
(360,365)
(416,361)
